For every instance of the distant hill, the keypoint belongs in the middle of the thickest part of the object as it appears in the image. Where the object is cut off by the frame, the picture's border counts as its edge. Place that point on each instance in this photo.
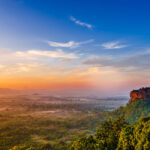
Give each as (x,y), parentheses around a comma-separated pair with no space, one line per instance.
(8,91)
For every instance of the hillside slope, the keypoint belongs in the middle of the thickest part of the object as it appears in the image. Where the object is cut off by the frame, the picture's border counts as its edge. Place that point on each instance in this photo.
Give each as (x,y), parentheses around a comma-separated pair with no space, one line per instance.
(132,112)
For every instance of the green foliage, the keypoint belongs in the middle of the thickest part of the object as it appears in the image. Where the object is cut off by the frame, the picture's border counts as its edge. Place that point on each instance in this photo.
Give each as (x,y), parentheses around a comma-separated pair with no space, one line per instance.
(22,147)
(126,138)
(106,137)
(33,128)
(40,147)
(108,133)
(117,135)
(132,112)
(83,143)
(142,134)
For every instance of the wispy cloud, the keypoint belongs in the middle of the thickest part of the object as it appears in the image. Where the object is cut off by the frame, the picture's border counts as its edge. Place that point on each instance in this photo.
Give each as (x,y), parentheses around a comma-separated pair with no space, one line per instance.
(113,45)
(34,60)
(89,26)
(65,60)
(53,54)
(35,55)
(136,62)
(70,44)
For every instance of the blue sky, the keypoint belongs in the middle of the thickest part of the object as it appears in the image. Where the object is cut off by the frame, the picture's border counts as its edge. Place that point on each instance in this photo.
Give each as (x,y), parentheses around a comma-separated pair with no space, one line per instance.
(99,34)
(49,20)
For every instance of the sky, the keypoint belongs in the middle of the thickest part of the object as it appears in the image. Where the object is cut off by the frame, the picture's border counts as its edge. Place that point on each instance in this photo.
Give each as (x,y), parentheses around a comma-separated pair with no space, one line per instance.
(84,46)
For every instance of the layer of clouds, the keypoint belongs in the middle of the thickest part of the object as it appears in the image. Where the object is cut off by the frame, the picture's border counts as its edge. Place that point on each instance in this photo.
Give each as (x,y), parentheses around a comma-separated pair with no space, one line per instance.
(113,45)
(33,60)
(137,62)
(70,44)
(78,22)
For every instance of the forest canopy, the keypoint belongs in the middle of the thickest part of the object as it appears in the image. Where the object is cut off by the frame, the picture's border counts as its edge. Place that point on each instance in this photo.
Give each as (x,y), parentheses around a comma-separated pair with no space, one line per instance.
(117,135)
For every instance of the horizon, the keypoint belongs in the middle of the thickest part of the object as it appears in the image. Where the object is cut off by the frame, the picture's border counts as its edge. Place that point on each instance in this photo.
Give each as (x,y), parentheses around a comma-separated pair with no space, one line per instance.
(93,49)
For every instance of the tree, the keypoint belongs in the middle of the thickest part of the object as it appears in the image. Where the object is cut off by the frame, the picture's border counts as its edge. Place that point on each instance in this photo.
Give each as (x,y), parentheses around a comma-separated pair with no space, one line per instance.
(126,139)
(106,137)
(108,133)
(142,134)
(84,143)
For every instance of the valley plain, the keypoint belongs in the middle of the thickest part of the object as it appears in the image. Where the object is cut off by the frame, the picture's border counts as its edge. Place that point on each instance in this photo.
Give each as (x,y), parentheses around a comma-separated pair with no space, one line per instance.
(37,121)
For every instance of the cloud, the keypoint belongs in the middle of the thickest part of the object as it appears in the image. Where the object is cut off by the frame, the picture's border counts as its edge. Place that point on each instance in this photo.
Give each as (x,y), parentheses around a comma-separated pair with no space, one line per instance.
(136,62)
(70,44)
(52,54)
(20,67)
(113,45)
(31,61)
(89,26)
(65,60)
(35,56)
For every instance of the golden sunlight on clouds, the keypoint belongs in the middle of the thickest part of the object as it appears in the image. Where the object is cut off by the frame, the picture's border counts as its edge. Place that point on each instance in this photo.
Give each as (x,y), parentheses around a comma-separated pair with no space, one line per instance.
(76,78)
(56,70)
(93,78)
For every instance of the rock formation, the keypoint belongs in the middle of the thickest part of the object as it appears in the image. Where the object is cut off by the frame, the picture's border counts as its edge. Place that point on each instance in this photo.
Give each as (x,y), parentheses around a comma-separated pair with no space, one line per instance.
(143,93)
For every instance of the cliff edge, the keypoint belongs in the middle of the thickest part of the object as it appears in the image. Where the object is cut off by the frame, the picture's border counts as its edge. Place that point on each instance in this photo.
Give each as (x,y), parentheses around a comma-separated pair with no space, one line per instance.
(143,93)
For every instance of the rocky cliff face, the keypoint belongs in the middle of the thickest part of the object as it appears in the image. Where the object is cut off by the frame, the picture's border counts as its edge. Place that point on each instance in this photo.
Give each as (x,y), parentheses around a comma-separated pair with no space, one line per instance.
(143,93)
